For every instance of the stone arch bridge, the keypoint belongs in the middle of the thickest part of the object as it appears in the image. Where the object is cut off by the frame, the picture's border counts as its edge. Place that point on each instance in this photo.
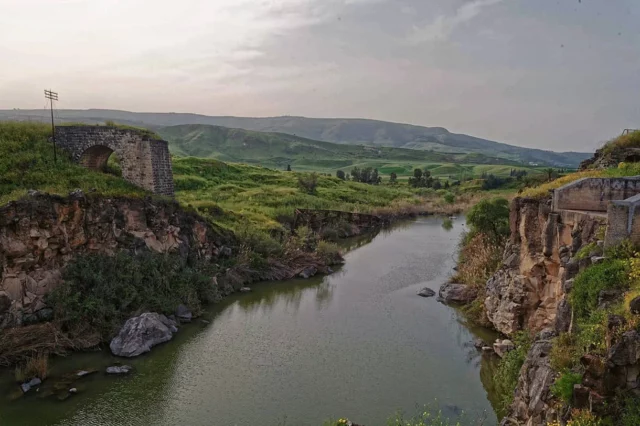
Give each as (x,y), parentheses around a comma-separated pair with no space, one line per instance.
(145,161)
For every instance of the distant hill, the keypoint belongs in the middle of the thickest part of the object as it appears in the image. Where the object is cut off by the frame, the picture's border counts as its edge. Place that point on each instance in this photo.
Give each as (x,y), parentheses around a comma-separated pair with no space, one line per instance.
(280,149)
(342,131)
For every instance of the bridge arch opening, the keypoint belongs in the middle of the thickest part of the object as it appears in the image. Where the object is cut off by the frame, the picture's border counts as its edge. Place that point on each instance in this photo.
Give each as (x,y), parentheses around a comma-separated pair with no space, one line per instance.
(96,157)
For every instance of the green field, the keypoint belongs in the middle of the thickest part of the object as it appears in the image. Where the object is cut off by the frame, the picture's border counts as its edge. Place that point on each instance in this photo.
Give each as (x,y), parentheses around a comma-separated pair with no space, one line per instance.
(279,150)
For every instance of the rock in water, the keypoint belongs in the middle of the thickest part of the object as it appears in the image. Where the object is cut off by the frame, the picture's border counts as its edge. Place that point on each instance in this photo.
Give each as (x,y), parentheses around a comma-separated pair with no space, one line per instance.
(308,272)
(457,293)
(426,292)
(183,314)
(245,290)
(139,334)
(119,369)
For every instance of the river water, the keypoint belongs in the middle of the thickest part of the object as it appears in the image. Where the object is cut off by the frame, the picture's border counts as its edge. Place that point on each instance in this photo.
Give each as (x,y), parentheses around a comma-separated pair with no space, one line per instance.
(358,344)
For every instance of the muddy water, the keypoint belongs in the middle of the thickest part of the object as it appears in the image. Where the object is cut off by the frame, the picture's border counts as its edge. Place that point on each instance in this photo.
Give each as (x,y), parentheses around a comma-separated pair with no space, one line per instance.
(359,344)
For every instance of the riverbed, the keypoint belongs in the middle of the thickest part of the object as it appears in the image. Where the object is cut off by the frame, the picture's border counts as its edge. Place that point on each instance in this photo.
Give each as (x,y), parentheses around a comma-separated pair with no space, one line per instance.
(358,344)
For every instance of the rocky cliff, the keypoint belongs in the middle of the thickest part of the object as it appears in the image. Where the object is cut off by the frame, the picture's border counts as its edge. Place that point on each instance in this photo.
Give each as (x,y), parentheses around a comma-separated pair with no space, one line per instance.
(528,291)
(42,233)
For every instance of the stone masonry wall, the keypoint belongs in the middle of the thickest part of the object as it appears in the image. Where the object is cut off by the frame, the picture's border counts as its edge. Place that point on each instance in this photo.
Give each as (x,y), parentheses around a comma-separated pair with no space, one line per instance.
(145,161)
(594,194)
(42,233)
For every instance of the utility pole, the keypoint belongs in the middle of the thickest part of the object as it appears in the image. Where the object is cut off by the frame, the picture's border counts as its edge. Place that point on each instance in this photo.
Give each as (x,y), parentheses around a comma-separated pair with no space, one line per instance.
(52,96)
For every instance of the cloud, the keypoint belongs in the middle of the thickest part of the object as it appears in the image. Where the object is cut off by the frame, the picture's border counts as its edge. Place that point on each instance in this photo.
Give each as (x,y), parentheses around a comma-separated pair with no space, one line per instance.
(443,26)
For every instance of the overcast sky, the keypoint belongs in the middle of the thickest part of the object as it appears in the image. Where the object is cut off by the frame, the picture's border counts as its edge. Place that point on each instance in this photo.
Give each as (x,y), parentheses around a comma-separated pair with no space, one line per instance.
(553,74)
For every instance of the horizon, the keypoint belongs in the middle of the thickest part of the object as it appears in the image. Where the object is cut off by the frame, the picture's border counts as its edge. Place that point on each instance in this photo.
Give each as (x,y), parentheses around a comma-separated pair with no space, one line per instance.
(45,118)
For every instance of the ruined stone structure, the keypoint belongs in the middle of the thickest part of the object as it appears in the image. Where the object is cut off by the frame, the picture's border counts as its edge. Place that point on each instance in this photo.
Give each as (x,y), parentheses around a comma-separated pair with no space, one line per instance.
(145,161)
(613,198)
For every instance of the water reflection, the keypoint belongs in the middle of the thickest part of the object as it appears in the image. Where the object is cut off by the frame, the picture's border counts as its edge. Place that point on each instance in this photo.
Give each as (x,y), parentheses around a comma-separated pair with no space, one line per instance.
(358,343)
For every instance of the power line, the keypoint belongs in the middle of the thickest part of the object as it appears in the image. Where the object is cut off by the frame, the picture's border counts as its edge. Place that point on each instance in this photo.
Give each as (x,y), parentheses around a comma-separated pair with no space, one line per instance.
(52,96)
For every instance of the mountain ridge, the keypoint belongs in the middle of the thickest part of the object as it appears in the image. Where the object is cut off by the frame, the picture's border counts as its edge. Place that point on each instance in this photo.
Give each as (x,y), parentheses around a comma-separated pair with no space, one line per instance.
(349,131)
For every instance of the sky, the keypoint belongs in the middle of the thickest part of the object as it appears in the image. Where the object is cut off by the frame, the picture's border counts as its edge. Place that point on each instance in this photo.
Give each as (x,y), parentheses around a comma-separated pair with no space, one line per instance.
(551,74)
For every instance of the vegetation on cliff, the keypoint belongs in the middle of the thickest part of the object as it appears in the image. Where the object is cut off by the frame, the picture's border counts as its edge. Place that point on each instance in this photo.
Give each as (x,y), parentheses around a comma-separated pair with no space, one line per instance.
(27,162)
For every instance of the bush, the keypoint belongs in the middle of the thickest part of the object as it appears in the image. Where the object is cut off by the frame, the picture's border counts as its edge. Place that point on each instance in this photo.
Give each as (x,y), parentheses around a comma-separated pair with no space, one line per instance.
(308,183)
(490,217)
(506,378)
(609,274)
(328,252)
(103,291)
(563,386)
(449,198)
(564,352)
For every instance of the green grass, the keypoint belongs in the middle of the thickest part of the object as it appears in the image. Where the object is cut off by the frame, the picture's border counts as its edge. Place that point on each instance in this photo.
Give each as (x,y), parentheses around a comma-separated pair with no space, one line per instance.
(236,195)
(609,274)
(26,162)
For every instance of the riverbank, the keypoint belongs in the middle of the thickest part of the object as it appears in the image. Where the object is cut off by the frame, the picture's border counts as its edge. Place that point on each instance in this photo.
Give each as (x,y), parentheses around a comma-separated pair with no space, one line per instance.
(296,350)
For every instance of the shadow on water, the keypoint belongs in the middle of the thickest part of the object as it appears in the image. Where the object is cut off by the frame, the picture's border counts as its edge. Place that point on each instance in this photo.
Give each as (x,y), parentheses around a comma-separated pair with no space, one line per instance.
(358,343)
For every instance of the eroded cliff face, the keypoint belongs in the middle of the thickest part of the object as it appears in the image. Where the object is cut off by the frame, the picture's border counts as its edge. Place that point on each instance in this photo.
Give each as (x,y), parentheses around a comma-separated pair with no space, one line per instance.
(528,290)
(529,293)
(40,234)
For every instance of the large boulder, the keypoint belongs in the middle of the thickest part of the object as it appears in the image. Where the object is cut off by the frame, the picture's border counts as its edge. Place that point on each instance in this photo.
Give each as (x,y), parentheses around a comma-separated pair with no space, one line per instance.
(457,293)
(139,334)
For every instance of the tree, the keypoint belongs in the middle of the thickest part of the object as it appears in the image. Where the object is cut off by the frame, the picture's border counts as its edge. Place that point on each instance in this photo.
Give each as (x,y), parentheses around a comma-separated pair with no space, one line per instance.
(490,217)
(549,173)
(340,175)
(288,167)
(436,184)
(417,173)
(446,184)
(355,174)
(393,178)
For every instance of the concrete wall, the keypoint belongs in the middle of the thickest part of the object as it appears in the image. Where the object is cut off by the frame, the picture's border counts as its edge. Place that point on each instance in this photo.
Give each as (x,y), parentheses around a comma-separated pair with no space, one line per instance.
(623,221)
(145,161)
(594,194)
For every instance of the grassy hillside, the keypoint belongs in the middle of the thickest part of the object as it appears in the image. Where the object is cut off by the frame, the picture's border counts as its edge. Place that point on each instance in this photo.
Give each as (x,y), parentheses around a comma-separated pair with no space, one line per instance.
(236,196)
(344,131)
(26,162)
(278,150)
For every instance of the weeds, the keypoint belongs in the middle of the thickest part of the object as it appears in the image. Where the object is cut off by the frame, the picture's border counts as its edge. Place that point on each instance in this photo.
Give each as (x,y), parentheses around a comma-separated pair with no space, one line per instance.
(37,366)
(506,378)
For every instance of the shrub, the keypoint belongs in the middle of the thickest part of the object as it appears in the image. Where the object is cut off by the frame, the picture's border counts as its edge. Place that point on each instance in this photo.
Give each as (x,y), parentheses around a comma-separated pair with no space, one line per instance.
(308,183)
(449,198)
(630,413)
(564,352)
(490,217)
(478,260)
(608,274)
(585,251)
(506,378)
(102,291)
(329,252)
(563,386)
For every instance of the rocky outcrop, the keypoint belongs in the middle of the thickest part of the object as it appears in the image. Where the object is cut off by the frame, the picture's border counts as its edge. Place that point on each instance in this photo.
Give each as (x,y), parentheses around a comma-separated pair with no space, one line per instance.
(139,334)
(532,400)
(457,293)
(530,286)
(611,157)
(41,233)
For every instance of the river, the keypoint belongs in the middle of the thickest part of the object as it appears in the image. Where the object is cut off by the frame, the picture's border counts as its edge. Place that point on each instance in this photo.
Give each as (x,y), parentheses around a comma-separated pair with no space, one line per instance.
(358,344)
